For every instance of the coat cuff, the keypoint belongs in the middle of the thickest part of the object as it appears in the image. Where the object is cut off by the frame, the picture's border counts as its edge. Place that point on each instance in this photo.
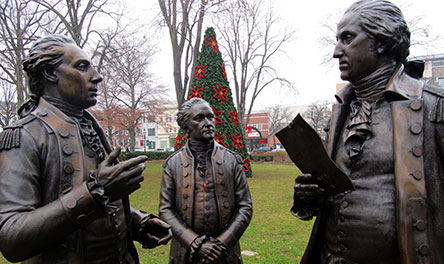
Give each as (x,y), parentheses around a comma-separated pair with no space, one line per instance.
(187,237)
(80,206)
(227,238)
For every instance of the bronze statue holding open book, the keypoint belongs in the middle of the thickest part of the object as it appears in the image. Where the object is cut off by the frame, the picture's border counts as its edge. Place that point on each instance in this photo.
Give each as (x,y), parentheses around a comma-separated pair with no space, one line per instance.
(385,134)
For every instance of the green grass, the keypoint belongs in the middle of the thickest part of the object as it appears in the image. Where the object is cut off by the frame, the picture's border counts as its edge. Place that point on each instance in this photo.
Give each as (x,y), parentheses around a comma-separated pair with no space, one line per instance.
(274,233)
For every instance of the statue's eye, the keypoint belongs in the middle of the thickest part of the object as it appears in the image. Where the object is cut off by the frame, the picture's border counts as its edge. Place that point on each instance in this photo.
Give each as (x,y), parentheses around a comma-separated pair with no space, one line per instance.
(82,66)
(347,38)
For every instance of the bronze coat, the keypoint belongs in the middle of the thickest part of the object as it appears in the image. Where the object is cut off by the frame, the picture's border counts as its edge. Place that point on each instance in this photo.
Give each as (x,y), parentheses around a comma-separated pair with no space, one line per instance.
(232,195)
(44,199)
(418,132)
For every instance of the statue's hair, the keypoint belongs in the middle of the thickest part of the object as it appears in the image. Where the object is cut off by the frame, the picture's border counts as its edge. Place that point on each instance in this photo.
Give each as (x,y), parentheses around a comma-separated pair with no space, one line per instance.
(45,54)
(384,23)
(183,115)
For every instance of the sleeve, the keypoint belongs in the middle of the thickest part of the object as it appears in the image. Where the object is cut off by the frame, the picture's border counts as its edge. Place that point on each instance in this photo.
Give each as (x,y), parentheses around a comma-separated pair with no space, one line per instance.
(243,206)
(167,209)
(27,226)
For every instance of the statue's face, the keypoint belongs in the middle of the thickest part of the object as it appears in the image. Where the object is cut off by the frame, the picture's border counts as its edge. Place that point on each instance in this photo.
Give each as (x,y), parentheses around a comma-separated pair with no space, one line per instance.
(201,122)
(77,79)
(356,53)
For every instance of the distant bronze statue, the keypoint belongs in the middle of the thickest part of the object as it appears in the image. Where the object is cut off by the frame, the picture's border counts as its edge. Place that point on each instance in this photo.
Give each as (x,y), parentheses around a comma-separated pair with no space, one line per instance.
(63,193)
(204,194)
(386,133)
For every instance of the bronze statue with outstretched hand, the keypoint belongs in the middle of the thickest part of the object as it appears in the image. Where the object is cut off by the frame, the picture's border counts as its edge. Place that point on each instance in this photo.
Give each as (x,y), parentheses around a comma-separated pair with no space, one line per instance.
(63,193)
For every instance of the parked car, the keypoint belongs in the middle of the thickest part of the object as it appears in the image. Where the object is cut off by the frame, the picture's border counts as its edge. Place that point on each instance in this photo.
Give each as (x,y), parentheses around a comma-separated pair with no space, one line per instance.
(262,149)
(278,150)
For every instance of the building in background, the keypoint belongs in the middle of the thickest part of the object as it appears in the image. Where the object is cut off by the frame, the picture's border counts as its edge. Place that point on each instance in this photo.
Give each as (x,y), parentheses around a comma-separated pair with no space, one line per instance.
(433,70)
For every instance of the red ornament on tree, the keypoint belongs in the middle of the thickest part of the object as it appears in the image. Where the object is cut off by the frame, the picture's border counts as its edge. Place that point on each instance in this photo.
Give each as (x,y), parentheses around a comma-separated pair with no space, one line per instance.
(247,165)
(220,139)
(199,71)
(212,44)
(220,93)
(237,141)
(224,73)
(218,116)
(196,92)
(178,139)
(234,118)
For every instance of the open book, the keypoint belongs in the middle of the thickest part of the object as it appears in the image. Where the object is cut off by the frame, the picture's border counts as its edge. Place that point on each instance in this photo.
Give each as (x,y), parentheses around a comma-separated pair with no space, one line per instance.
(305,148)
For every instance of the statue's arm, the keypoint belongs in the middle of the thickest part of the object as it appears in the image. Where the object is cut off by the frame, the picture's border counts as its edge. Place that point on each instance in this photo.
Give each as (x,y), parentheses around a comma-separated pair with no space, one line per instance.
(168,210)
(27,227)
(243,206)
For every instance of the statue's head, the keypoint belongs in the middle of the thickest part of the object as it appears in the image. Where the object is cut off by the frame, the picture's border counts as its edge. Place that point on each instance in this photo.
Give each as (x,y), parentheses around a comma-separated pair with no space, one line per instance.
(57,67)
(371,33)
(196,117)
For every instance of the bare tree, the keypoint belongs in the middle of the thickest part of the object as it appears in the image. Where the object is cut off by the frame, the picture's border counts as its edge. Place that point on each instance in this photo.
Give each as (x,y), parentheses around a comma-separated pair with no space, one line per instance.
(317,115)
(20,22)
(76,16)
(251,38)
(278,117)
(132,86)
(184,19)
(8,106)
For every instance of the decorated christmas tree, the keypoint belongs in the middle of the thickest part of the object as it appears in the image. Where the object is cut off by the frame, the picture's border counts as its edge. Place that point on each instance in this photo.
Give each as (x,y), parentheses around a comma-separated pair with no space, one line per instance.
(210,83)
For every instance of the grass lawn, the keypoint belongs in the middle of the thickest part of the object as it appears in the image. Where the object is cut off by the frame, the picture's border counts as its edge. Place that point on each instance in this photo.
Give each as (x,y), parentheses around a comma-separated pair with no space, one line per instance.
(274,233)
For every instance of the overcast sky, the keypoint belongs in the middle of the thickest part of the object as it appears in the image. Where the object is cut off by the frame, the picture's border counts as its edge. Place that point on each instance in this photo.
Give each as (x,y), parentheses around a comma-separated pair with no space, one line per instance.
(302,62)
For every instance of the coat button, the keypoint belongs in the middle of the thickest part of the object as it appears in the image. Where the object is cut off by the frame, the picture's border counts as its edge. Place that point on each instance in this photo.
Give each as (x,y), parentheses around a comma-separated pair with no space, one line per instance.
(91,154)
(71,203)
(67,150)
(423,249)
(186,174)
(226,204)
(344,204)
(341,234)
(186,164)
(415,105)
(68,168)
(63,133)
(417,174)
(185,207)
(416,129)
(417,151)
(420,225)
(220,171)
(222,182)
(185,196)
(224,194)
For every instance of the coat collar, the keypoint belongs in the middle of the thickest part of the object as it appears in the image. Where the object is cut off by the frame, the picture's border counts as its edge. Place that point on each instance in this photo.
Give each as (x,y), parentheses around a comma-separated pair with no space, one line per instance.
(401,86)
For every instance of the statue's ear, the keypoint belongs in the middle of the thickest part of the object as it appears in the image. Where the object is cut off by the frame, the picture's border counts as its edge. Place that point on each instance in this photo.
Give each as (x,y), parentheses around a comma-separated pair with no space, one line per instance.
(50,74)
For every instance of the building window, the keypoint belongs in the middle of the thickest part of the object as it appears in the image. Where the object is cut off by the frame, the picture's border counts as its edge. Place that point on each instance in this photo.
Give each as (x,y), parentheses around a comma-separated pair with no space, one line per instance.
(438,63)
(441,82)
(151,132)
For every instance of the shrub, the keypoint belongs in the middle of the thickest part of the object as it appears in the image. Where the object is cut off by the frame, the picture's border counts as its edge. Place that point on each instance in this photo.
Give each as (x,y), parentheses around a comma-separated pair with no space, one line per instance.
(152,155)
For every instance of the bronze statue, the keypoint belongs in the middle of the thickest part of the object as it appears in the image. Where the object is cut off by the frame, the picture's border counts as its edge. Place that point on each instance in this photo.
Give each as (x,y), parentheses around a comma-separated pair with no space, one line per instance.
(63,193)
(204,194)
(386,132)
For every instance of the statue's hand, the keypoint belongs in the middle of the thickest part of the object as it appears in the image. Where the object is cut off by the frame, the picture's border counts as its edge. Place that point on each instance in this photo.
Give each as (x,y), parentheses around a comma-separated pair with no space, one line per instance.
(308,189)
(210,252)
(121,179)
(154,232)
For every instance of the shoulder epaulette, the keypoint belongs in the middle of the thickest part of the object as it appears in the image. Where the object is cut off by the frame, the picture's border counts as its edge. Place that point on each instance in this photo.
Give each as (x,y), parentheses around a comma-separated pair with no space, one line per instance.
(170,156)
(10,136)
(437,112)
